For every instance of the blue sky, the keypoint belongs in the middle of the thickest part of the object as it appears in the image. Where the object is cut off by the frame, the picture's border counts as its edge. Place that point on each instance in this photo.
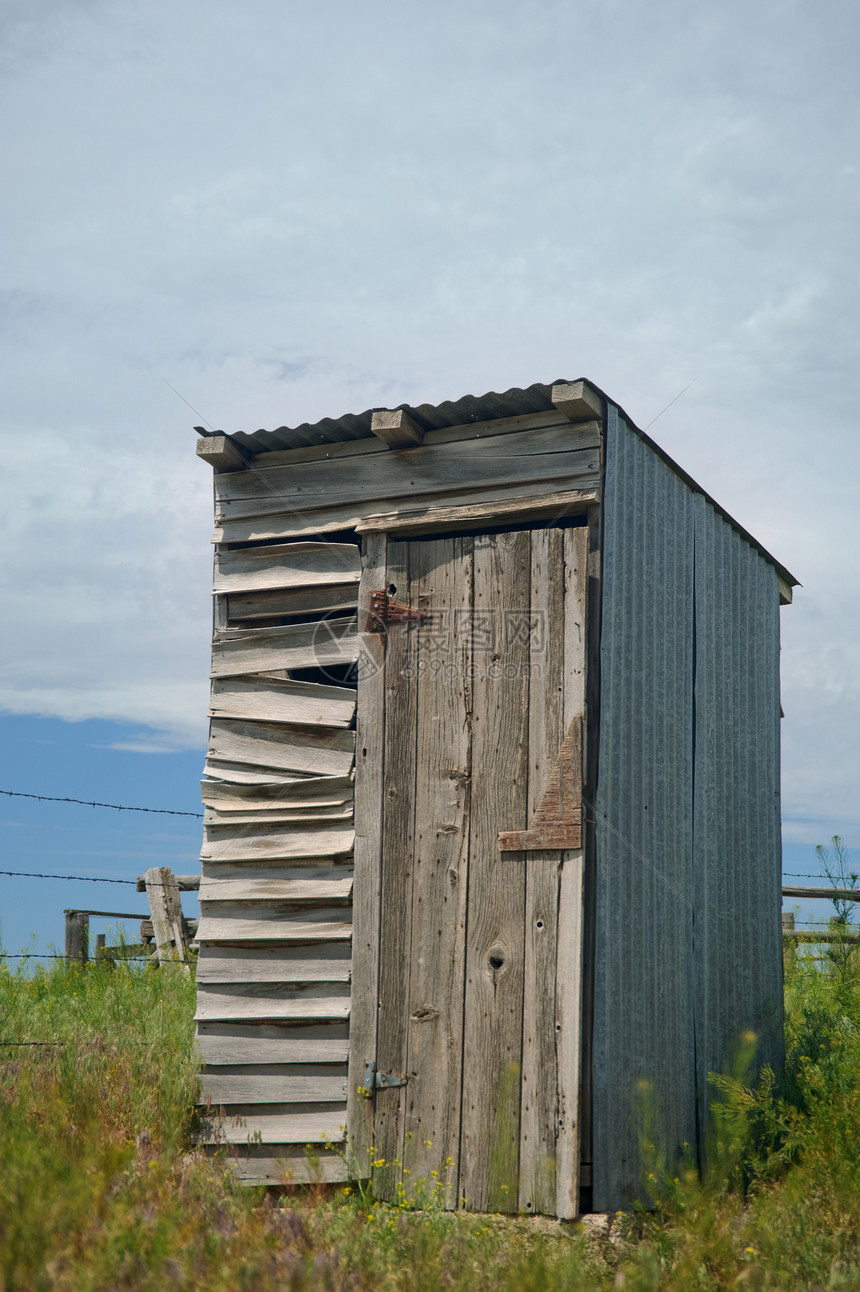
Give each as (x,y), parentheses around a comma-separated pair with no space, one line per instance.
(288,212)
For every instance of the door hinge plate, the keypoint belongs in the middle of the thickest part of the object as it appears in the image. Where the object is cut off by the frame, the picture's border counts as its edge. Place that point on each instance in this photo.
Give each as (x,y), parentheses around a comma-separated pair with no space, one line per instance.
(375,1080)
(384,612)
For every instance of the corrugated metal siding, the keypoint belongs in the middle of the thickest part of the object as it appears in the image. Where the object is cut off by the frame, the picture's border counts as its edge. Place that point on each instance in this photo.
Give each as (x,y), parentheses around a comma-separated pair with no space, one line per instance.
(642,1008)
(736,811)
(688,948)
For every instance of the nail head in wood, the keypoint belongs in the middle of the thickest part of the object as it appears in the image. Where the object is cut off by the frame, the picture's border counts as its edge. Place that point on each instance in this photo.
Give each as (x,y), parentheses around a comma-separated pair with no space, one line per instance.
(579,402)
(396,428)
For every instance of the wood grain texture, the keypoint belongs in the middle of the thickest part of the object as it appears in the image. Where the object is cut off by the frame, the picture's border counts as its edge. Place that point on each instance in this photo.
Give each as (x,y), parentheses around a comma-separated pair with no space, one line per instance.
(441,578)
(569,977)
(165,907)
(245,1125)
(237,924)
(280,1164)
(289,523)
(539,1091)
(398,825)
(230,1044)
(324,963)
(300,884)
(262,650)
(270,700)
(244,843)
(367,858)
(496,511)
(287,1083)
(314,814)
(496,904)
(299,792)
(282,747)
(396,428)
(318,1001)
(530,455)
(291,565)
(237,774)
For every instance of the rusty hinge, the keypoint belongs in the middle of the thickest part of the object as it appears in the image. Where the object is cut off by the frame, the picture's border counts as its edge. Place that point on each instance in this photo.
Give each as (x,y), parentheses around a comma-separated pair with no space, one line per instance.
(375,1080)
(384,611)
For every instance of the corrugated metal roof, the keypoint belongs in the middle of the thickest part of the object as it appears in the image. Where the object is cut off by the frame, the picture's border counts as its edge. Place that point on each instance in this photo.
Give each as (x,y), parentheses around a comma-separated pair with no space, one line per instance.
(431,417)
(515,402)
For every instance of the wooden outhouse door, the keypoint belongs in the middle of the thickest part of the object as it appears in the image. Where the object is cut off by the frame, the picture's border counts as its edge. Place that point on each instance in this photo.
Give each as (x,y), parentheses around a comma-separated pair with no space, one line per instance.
(467,963)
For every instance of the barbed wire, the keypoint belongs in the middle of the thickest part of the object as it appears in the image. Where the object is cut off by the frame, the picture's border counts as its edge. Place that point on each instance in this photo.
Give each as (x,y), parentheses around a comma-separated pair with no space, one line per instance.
(59,955)
(116,807)
(87,879)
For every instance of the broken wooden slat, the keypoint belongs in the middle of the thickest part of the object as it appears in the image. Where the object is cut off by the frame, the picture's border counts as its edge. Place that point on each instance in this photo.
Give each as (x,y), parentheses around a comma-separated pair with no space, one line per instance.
(299,792)
(474,515)
(292,565)
(283,602)
(241,774)
(314,813)
(262,650)
(286,748)
(270,700)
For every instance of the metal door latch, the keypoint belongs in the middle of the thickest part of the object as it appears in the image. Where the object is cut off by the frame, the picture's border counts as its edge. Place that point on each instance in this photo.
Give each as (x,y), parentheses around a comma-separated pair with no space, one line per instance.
(374,1080)
(384,611)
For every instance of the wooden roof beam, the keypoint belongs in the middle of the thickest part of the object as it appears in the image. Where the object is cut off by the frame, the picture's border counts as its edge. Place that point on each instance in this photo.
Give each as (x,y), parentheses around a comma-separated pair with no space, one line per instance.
(396,428)
(579,402)
(221,453)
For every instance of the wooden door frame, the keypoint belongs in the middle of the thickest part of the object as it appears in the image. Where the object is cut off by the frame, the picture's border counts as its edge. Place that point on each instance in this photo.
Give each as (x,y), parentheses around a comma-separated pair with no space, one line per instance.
(370,736)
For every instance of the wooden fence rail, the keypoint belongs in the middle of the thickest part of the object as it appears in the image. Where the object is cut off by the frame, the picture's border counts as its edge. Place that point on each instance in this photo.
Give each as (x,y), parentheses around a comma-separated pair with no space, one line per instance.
(165,924)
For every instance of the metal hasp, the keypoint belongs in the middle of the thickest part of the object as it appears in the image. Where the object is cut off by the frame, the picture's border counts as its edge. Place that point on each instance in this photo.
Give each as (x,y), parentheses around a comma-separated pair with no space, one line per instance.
(374,1080)
(384,611)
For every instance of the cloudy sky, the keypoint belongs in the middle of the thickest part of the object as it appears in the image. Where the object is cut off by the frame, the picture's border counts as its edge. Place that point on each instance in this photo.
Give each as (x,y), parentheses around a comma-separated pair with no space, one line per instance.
(287,211)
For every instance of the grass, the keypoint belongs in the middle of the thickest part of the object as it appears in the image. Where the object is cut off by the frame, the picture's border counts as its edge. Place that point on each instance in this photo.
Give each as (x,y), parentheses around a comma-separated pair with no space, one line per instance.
(101,1188)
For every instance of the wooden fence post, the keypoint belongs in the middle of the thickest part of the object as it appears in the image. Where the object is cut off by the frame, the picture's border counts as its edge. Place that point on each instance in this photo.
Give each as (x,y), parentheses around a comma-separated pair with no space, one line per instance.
(162,892)
(77,936)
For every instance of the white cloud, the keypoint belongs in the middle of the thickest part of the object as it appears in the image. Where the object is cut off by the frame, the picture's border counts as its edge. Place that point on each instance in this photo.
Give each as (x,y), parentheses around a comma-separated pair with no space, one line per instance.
(291,212)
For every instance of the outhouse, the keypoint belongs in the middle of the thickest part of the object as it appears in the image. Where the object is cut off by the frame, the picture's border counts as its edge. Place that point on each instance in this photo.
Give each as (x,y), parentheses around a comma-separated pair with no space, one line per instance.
(491,868)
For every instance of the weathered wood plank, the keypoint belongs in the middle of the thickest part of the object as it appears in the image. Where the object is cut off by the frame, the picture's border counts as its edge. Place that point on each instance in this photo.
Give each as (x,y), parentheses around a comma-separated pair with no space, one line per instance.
(283,602)
(539,1097)
(245,774)
(245,1126)
(496,905)
(280,1164)
(298,792)
(398,841)
(165,908)
(396,428)
(318,1001)
(315,814)
(314,1083)
(578,401)
(264,650)
(241,843)
(303,884)
(270,700)
(290,565)
(532,455)
(319,752)
(367,853)
(226,923)
(570,906)
(229,1044)
(441,577)
(291,523)
(325,963)
(498,511)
